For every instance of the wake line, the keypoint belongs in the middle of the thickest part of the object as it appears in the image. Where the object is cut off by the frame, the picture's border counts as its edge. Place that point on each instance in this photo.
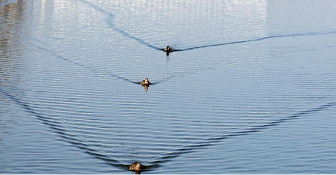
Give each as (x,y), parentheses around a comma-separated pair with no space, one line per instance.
(62,132)
(90,68)
(68,137)
(105,72)
(259,39)
(259,128)
(126,34)
(78,64)
(30,43)
(111,16)
(112,25)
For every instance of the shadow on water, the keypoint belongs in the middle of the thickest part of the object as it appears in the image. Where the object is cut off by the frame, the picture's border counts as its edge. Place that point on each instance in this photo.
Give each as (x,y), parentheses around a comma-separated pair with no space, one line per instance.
(56,127)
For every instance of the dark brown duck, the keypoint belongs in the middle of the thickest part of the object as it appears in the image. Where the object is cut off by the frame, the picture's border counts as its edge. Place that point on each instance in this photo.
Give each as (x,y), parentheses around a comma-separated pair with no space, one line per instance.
(145,82)
(136,167)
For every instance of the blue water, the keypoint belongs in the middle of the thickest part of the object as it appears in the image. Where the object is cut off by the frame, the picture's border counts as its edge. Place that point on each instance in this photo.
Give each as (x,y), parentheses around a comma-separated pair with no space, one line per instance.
(250,87)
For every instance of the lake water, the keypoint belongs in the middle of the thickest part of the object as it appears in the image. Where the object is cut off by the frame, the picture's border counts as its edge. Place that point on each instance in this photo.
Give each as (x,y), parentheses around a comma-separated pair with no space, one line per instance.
(252,88)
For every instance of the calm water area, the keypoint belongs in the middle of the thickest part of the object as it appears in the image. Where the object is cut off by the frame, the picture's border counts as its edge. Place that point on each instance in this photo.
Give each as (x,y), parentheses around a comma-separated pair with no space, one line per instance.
(251,87)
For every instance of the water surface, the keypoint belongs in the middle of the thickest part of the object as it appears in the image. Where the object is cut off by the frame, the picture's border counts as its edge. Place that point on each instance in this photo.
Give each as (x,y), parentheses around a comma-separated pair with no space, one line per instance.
(251,89)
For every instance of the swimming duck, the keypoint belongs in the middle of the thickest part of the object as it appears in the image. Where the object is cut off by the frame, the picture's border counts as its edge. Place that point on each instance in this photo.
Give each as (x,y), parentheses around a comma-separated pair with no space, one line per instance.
(145,82)
(168,49)
(136,167)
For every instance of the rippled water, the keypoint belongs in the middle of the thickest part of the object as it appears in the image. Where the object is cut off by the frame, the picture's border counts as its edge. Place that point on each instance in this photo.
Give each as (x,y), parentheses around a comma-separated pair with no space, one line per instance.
(250,88)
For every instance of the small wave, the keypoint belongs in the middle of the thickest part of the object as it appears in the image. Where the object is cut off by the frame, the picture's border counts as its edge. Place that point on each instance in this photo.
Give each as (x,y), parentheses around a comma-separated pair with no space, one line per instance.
(67,136)
(212,141)
(57,128)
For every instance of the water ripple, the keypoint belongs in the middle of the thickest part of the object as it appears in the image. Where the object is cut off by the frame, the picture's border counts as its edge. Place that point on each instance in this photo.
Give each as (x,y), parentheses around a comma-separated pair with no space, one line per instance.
(110,19)
(95,142)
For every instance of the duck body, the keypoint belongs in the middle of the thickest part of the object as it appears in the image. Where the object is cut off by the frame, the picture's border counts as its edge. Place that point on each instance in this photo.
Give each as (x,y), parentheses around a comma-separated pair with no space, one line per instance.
(145,82)
(168,49)
(136,167)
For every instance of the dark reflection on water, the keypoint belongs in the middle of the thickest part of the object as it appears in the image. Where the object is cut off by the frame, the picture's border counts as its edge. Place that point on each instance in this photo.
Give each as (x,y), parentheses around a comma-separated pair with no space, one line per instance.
(7,2)
(81,79)
(10,17)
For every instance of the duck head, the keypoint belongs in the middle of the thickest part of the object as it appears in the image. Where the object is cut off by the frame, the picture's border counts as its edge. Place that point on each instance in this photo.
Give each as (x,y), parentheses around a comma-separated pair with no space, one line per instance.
(168,49)
(136,167)
(145,82)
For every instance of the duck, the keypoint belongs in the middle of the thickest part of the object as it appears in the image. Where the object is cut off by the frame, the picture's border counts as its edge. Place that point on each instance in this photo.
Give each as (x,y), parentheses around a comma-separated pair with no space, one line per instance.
(145,82)
(136,167)
(168,49)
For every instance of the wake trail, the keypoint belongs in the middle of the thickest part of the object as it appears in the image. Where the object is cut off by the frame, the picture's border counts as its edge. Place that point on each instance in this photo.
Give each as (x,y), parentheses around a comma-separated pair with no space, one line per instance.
(259,128)
(58,56)
(258,39)
(62,132)
(110,18)
(112,25)
(56,126)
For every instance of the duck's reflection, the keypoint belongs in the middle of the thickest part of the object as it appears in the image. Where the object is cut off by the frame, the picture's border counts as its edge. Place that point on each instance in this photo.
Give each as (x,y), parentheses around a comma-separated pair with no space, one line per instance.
(145,86)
